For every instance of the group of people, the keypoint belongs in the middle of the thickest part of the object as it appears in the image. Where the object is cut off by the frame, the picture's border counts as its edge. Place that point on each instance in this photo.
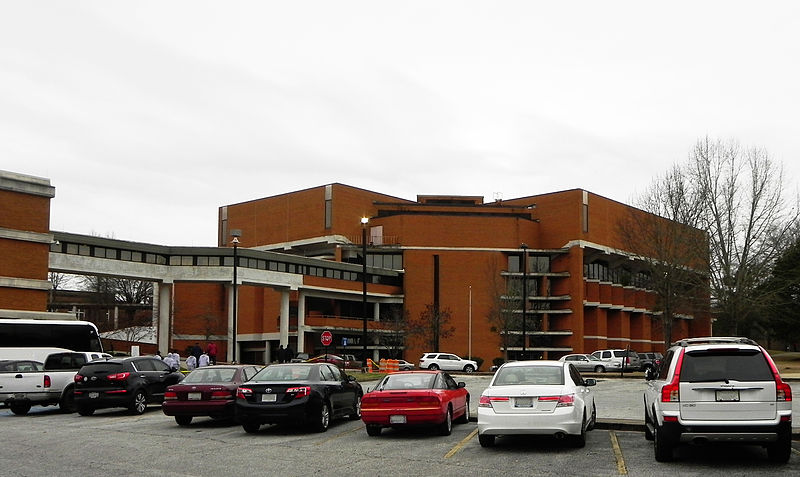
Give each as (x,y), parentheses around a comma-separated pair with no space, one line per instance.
(197,357)
(285,355)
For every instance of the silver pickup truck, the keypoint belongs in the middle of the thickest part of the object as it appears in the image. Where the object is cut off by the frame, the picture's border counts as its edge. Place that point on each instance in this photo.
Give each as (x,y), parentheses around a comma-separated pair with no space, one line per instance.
(22,390)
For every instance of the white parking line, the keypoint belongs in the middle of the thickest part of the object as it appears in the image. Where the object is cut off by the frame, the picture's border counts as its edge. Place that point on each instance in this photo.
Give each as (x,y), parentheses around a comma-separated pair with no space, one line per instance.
(621,467)
(461,444)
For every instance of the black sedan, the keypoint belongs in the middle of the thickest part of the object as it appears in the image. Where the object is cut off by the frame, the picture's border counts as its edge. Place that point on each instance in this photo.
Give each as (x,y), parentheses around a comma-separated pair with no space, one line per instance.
(298,393)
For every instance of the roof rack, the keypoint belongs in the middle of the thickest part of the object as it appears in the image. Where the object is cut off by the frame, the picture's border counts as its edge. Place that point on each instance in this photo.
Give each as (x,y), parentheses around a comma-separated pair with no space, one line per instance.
(714,340)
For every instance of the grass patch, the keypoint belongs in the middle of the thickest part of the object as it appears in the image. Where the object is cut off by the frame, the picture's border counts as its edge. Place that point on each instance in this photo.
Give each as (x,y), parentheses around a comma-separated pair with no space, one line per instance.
(787,361)
(363,377)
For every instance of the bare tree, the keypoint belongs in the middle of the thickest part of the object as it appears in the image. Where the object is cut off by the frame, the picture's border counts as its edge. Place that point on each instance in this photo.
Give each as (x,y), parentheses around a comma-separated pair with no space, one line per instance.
(747,220)
(395,322)
(504,300)
(665,240)
(431,326)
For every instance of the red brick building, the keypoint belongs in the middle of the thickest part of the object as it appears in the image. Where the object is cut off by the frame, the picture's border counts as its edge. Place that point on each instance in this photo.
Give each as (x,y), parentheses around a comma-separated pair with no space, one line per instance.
(584,291)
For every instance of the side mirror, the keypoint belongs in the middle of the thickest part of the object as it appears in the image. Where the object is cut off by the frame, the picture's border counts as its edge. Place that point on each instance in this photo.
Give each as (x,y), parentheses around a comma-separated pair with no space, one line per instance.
(350,378)
(462,384)
(589,382)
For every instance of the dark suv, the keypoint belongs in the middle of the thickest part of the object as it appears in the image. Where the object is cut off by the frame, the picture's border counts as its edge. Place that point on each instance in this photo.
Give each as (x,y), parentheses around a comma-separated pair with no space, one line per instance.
(122,382)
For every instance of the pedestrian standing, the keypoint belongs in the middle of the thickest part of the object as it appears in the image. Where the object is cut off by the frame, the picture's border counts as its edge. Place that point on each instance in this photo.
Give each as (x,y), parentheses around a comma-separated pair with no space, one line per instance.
(191,363)
(281,354)
(203,360)
(197,351)
(169,361)
(177,358)
(212,352)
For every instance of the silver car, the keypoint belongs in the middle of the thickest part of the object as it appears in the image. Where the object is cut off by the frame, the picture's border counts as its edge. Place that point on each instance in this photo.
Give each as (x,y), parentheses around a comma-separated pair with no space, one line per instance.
(586,362)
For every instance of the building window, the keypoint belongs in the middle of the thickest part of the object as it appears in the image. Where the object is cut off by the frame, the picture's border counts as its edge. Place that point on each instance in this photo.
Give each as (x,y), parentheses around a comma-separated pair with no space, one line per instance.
(328,206)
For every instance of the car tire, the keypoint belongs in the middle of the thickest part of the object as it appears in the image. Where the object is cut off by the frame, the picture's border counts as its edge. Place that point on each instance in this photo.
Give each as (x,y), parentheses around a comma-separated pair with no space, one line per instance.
(663,449)
(251,427)
(356,415)
(67,403)
(85,411)
(323,418)
(373,430)
(434,367)
(579,440)
(599,369)
(486,440)
(139,403)
(781,450)
(20,408)
(183,420)
(446,427)
(464,418)
(593,419)
(469,368)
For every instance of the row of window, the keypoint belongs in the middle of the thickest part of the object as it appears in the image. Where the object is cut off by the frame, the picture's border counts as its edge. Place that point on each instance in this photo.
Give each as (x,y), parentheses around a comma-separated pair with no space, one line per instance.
(601,271)
(536,264)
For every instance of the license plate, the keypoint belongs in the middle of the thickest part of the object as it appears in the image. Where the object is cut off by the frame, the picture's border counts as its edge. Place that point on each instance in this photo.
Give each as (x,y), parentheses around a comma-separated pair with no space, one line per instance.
(398,419)
(727,395)
(195,396)
(94,395)
(523,402)
(269,397)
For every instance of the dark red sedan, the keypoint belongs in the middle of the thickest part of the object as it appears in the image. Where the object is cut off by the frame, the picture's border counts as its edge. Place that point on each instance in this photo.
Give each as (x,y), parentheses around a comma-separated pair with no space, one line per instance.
(207,391)
(415,398)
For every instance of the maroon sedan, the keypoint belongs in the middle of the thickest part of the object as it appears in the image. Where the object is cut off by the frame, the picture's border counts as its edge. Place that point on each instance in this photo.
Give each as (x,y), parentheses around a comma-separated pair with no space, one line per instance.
(207,391)
(415,398)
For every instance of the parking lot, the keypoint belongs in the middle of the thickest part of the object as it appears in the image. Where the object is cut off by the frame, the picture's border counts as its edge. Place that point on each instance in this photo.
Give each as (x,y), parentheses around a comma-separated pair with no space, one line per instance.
(115,443)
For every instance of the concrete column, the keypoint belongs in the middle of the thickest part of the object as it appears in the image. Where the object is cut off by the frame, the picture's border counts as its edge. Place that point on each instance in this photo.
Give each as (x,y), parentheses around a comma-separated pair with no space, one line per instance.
(284,328)
(230,357)
(301,321)
(162,295)
(376,312)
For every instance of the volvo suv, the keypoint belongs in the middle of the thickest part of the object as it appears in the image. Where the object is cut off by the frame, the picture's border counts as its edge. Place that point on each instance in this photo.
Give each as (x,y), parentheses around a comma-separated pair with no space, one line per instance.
(718,390)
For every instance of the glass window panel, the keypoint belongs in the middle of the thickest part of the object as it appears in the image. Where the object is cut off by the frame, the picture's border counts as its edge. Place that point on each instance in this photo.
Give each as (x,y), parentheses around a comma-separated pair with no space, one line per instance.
(214,261)
(136,256)
(187,260)
(202,261)
(125,254)
(72,248)
(175,260)
(84,250)
(99,252)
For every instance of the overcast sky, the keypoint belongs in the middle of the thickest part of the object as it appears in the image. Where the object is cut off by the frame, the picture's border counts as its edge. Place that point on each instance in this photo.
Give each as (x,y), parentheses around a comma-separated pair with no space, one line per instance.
(148,116)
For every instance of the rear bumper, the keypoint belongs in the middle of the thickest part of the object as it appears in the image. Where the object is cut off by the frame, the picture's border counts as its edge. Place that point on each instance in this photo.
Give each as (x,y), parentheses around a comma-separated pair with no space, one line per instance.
(296,411)
(199,408)
(40,398)
(739,434)
(414,417)
(568,421)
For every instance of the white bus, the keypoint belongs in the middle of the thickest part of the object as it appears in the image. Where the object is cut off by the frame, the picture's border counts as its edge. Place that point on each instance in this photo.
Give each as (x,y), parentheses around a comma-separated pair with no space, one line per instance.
(73,335)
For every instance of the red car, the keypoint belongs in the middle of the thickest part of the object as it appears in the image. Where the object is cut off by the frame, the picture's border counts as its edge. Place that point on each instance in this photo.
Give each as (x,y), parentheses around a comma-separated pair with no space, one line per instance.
(207,391)
(415,398)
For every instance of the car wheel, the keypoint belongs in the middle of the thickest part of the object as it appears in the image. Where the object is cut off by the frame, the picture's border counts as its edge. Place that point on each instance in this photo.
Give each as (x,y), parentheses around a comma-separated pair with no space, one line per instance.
(85,411)
(648,434)
(469,368)
(183,420)
(579,440)
(356,415)
(139,403)
(323,418)
(593,420)
(486,440)
(433,367)
(781,450)
(599,369)
(20,408)
(446,427)
(663,449)
(251,427)
(464,418)
(373,430)
(67,403)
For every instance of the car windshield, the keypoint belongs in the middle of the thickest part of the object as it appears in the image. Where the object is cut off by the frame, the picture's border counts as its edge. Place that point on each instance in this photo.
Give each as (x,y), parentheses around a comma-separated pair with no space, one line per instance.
(407,381)
(744,365)
(283,373)
(593,357)
(210,375)
(515,375)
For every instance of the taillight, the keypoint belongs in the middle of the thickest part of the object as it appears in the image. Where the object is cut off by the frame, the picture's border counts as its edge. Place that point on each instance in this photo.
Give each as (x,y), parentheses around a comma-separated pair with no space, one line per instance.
(47,381)
(77,378)
(118,376)
(783,392)
(243,393)
(300,391)
(486,401)
(221,394)
(170,395)
(671,392)
(564,400)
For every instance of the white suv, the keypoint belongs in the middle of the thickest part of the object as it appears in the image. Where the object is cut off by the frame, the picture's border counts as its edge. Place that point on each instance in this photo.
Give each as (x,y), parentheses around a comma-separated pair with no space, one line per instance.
(722,390)
(447,362)
(619,359)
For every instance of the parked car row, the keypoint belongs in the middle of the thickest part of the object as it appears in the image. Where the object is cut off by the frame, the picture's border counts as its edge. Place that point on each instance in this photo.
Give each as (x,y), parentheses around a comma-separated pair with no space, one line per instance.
(614,360)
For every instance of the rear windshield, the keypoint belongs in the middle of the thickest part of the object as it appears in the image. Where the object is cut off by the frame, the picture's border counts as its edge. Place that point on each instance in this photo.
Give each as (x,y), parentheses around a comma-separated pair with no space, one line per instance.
(210,375)
(284,373)
(721,365)
(407,381)
(101,368)
(544,375)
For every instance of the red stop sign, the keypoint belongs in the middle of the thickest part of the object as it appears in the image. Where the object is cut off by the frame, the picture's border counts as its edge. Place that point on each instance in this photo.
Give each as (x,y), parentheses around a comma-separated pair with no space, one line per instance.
(327,338)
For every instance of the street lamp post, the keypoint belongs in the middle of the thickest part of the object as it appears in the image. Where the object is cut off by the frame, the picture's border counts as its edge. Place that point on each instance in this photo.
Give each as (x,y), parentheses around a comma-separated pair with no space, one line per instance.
(524,248)
(364,222)
(235,234)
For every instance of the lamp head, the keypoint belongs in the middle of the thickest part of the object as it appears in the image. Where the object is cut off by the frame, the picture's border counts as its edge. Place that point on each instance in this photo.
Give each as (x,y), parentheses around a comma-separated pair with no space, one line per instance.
(364,220)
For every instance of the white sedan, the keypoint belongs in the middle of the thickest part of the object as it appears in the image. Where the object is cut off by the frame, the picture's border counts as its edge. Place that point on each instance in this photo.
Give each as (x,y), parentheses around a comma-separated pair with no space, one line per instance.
(537,397)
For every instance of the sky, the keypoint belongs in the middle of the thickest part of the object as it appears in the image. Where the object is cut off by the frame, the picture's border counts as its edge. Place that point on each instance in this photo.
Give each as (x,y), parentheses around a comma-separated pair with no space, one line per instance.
(148,116)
